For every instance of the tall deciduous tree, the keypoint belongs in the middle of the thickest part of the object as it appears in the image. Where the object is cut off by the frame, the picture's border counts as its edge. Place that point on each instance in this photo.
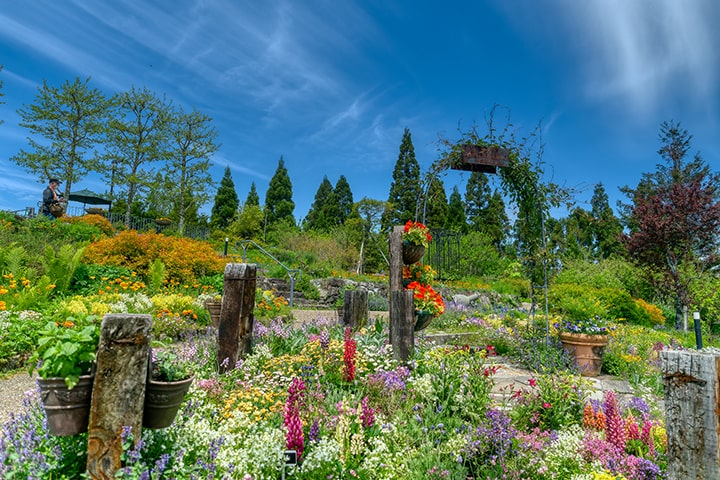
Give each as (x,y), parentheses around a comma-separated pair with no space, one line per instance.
(675,217)
(225,209)
(137,138)
(192,145)
(405,187)
(279,204)
(68,122)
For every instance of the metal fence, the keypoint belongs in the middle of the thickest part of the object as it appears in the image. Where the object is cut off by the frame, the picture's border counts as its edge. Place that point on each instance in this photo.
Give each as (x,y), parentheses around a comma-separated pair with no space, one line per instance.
(136,223)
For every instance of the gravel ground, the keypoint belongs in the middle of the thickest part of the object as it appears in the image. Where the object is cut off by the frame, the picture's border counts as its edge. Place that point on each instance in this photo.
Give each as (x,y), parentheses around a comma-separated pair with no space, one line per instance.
(12,392)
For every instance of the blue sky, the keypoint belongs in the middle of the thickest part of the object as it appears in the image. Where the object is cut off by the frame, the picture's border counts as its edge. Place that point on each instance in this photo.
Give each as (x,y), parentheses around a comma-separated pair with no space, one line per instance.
(330,85)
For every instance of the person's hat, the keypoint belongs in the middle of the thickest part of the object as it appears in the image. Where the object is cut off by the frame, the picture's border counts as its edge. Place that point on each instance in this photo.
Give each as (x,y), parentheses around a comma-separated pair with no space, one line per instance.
(55,180)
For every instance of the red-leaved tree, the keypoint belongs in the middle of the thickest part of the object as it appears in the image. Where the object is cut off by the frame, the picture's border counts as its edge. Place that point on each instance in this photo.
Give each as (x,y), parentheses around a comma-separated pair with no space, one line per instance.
(674,218)
(676,233)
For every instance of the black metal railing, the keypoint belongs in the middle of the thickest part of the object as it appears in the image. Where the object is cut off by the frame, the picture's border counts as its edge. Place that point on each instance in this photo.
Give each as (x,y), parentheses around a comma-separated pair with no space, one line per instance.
(293,273)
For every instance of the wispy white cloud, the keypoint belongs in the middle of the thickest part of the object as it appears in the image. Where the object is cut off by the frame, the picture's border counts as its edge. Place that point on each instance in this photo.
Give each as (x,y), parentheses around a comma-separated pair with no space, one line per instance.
(641,51)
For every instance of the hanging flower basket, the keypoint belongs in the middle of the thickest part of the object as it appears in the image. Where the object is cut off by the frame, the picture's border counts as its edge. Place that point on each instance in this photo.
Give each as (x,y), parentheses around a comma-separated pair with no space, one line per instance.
(162,401)
(67,410)
(412,252)
(214,307)
(587,350)
(422,319)
(163,222)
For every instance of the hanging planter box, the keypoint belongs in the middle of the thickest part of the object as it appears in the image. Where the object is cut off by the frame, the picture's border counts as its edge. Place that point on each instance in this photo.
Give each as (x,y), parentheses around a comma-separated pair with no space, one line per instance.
(480,158)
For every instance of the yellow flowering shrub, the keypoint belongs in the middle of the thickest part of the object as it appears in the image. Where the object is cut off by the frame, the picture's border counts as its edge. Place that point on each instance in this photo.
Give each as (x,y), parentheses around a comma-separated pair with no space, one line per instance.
(185,259)
(653,311)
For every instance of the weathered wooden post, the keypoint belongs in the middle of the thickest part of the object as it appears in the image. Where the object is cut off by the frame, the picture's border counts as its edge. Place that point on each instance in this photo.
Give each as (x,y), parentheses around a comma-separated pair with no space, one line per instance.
(402,312)
(236,315)
(402,315)
(355,308)
(692,403)
(118,390)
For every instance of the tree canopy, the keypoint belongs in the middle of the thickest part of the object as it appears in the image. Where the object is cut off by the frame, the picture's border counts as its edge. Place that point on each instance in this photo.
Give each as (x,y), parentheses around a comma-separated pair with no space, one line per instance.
(66,124)
(405,187)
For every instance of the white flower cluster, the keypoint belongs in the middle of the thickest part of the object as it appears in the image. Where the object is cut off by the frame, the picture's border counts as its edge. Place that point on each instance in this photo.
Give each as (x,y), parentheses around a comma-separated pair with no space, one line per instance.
(424,386)
(564,455)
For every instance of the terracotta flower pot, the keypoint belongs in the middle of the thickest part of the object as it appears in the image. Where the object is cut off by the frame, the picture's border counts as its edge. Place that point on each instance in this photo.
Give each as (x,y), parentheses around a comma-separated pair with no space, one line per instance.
(587,350)
(412,252)
(68,411)
(162,401)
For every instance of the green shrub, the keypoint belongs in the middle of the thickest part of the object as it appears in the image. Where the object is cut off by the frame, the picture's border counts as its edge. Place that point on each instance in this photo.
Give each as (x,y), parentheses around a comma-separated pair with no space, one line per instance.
(89,279)
(621,306)
(576,302)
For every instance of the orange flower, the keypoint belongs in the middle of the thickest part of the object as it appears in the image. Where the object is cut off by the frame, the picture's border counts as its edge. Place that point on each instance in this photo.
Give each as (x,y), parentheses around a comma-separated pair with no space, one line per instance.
(427,299)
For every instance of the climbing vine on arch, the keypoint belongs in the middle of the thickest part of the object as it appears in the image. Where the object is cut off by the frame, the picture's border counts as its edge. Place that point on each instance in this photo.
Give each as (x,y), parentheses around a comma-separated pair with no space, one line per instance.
(522,181)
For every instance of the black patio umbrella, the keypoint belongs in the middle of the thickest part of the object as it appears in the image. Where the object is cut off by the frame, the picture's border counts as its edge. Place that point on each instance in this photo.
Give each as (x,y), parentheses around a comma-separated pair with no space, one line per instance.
(88,197)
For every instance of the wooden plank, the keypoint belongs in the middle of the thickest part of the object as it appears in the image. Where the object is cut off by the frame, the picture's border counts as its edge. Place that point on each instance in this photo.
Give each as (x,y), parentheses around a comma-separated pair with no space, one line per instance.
(691,408)
(402,319)
(355,308)
(396,264)
(236,315)
(118,390)
(480,158)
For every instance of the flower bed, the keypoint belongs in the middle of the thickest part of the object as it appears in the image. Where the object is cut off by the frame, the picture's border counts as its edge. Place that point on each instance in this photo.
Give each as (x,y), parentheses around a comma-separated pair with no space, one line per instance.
(351,411)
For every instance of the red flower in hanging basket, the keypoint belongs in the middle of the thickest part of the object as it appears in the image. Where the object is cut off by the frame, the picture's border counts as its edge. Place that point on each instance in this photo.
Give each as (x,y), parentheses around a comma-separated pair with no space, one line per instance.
(416,232)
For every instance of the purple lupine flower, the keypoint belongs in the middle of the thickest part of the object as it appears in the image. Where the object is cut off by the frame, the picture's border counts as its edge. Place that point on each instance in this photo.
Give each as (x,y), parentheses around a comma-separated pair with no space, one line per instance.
(314,433)
(325,340)
(640,405)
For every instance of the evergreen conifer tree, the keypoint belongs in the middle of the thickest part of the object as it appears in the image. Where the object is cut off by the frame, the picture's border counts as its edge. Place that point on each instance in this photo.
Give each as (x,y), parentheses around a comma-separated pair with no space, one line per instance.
(606,226)
(225,208)
(456,220)
(436,205)
(477,200)
(344,199)
(279,204)
(252,198)
(320,216)
(405,187)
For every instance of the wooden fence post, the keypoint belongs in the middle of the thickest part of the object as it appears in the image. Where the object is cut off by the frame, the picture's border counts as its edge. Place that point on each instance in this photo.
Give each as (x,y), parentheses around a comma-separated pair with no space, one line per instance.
(692,406)
(402,315)
(396,265)
(355,308)
(118,390)
(236,315)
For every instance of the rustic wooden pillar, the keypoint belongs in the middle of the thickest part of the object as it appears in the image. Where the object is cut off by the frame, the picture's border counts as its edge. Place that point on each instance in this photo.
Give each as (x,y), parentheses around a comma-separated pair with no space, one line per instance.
(396,265)
(118,390)
(692,406)
(355,308)
(402,316)
(236,315)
